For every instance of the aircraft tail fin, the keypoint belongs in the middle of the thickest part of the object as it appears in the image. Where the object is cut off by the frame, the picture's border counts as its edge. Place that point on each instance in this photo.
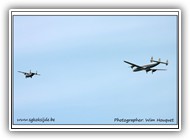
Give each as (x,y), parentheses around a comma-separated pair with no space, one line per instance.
(159,61)
(37,73)
(151,60)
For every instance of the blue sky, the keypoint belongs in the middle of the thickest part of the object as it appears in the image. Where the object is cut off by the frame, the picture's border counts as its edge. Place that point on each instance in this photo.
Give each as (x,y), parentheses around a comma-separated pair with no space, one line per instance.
(83,77)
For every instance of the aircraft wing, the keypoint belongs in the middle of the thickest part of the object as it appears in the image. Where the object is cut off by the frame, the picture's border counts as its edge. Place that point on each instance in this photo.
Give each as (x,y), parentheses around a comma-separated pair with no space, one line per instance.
(23,72)
(157,69)
(153,70)
(133,65)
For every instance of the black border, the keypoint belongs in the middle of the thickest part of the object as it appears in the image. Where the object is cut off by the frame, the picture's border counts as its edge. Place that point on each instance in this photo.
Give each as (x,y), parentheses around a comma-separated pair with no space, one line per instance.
(12,70)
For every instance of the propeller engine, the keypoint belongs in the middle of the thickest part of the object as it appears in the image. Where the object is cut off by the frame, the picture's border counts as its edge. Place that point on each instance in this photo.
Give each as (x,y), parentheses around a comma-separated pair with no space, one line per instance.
(132,67)
(153,71)
(148,70)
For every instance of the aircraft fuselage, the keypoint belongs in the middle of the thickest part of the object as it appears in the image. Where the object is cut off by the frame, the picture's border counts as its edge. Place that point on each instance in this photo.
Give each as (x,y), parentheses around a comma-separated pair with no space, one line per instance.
(146,67)
(29,75)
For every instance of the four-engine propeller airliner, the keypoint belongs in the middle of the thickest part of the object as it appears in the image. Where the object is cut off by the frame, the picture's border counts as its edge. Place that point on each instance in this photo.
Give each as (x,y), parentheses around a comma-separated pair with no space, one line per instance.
(29,74)
(148,67)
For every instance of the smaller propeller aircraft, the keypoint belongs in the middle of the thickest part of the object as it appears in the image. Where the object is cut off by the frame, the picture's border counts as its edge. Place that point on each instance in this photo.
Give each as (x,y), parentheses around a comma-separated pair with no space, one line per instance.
(148,67)
(29,74)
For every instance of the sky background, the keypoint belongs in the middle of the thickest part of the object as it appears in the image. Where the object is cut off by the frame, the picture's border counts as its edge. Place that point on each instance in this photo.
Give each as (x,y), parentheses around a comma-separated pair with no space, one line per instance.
(83,77)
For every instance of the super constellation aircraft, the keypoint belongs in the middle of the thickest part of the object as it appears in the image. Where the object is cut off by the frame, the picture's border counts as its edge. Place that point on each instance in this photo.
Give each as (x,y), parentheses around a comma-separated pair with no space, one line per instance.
(29,74)
(148,67)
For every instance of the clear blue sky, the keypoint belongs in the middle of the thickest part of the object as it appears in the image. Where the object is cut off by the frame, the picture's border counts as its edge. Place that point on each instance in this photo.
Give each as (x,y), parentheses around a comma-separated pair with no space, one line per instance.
(83,77)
